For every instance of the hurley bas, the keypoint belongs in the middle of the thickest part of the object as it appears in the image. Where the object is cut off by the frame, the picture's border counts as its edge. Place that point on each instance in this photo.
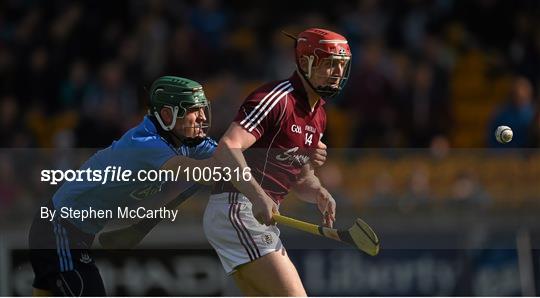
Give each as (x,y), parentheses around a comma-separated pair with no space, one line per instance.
(121,213)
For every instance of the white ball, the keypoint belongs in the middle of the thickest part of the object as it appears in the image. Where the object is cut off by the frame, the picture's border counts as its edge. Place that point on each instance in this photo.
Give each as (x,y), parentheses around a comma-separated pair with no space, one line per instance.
(504,134)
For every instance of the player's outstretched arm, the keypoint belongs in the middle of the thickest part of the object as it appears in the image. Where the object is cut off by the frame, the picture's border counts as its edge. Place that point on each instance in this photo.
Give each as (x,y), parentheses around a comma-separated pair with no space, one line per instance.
(308,188)
(229,154)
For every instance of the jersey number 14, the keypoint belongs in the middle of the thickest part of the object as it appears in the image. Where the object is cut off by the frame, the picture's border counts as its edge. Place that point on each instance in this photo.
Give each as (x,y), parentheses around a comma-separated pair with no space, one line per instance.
(309,139)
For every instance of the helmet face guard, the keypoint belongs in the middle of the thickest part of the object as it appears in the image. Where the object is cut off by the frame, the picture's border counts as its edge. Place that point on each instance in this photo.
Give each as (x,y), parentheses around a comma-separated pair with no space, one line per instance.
(203,122)
(333,83)
(322,48)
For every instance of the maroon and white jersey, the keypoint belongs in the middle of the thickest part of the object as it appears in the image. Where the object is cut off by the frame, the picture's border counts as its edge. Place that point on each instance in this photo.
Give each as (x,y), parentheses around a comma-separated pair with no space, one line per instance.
(287,130)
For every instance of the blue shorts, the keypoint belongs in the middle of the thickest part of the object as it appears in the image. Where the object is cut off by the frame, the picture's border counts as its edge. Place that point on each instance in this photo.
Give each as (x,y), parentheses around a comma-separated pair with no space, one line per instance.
(61,259)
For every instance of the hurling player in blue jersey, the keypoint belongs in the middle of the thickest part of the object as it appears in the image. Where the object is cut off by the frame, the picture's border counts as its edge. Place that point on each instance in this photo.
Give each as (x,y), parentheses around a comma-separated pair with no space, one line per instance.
(172,135)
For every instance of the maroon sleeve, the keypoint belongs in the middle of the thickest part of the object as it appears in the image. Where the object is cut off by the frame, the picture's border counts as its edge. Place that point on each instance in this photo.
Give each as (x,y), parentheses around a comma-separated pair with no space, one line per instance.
(262,111)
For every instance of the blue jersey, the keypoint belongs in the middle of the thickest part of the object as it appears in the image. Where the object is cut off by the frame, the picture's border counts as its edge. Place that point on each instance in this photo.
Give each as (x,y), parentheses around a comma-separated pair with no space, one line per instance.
(141,148)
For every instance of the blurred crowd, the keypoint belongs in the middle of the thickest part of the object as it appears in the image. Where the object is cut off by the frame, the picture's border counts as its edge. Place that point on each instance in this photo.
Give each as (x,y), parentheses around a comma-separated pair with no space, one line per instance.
(73,73)
(425,73)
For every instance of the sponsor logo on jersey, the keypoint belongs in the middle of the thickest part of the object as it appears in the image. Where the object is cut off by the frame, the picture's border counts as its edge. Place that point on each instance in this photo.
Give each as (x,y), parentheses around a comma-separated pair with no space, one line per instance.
(146,191)
(310,129)
(291,156)
(296,128)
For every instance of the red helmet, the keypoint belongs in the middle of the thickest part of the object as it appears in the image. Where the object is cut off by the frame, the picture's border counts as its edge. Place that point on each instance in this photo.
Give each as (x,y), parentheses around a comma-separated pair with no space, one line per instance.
(317,45)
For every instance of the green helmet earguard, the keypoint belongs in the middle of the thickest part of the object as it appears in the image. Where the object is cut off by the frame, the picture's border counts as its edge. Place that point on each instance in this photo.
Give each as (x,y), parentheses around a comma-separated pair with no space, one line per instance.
(178,94)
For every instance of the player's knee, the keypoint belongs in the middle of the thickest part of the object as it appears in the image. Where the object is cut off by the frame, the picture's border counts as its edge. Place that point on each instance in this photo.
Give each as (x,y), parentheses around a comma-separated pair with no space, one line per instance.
(280,278)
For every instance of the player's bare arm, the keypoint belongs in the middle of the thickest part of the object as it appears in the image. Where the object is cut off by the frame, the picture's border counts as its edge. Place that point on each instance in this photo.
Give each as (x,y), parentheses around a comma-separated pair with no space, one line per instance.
(308,188)
(229,154)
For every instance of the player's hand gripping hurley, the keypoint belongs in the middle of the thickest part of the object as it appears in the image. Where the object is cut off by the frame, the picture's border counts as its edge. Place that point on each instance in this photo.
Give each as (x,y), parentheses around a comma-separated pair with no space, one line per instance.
(360,234)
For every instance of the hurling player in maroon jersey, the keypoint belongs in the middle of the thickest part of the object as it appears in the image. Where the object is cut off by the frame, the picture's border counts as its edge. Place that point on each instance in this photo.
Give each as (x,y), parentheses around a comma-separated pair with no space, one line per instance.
(281,123)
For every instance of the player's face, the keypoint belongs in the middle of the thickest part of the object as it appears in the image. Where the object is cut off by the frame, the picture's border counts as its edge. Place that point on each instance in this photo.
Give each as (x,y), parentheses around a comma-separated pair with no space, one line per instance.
(329,72)
(193,124)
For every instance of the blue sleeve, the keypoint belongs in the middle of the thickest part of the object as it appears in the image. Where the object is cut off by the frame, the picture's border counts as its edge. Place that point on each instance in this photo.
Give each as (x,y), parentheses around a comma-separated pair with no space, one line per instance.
(203,150)
(151,153)
(159,156)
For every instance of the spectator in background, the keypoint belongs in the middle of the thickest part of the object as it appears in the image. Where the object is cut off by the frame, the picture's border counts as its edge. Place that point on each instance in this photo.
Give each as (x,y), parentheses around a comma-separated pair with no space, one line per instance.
(7,67)
(208,18)
(153,34)
(75,87)
(439,147)
(225,92)
(13,130)
(365,20)
(52,57)
(129,52)
(424,109)
(112,96)
(468,192)
(9,189)
(517,113)
(384,193)
(40,84)
(534,131)
(183,44)
(280,60)
(368,102)
(9,119)
(418,192)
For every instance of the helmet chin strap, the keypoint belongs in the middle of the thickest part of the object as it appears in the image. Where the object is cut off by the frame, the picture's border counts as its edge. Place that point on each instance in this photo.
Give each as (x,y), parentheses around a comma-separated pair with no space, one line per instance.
(310,66)
(325,91)
(173,123)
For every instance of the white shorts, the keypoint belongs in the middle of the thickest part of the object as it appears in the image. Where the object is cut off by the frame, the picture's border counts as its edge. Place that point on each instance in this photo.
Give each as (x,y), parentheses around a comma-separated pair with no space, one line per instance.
(235,234)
